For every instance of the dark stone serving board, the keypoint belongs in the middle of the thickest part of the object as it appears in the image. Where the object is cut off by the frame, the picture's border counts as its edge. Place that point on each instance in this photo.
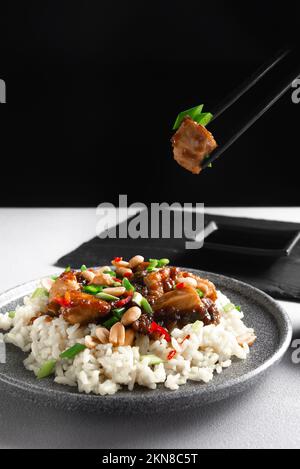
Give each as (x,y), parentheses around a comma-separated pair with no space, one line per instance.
(279,277)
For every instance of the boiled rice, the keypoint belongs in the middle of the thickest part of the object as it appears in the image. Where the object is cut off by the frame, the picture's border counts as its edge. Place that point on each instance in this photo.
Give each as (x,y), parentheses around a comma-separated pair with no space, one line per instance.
(106,369)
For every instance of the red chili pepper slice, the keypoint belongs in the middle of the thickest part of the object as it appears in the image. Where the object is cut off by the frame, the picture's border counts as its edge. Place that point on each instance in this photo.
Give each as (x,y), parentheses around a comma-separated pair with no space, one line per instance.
(185,338)
(154,327)
(64,301)
(180,285)
(127,274)
(123,302)
(118,259)
(171,354)
(115,279)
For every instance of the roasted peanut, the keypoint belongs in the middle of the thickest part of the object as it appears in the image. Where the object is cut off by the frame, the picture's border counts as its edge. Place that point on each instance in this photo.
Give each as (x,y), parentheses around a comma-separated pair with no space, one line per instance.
(129,337)
(123,271)
(131,315)
(102,335)
(135,261)
(89,343)
(120,263)
(100,270)
(187,281)
(88,275)
(117,334)
(116,291)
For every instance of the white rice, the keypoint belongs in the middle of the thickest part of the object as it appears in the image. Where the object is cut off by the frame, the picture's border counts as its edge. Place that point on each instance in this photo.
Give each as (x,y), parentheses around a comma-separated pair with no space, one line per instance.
(105,369)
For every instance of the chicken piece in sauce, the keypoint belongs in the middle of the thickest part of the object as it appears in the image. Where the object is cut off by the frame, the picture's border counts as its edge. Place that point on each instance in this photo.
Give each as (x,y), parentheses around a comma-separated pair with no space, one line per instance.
(191,144)
(206,286)
(160,281)
(67,281)
(84,308)
(182,306)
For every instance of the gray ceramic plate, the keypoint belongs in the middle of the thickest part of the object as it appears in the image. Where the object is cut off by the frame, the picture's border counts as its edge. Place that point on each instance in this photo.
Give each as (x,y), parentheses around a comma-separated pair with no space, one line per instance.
(270,322)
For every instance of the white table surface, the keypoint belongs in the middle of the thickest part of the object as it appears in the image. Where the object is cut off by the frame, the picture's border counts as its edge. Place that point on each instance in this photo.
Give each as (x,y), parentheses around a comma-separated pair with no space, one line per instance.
(267,416)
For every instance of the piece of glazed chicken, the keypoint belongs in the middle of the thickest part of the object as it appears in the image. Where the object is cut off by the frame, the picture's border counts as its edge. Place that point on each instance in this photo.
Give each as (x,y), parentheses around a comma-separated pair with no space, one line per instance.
(192,143)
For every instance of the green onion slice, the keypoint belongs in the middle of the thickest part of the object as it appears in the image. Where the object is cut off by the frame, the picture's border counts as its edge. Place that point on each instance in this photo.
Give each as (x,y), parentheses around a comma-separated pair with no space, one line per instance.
(193,112)
(197,325)
(54,277)
(151,359)
(110,322)
(68,268)
(163,262)
(72,351)
(152,264)
(110,272)
(204,118)
(238,308)
(93,289)
(229,307)
(146,306)
(46,369)
(200,292)
(137,298)
(106,296)
(127,284)
(118,312)
(83,268)
(11,314)
(38,292)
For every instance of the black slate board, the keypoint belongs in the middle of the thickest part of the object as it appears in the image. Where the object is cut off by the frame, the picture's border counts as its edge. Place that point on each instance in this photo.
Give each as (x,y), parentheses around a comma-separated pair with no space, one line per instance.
(279,277)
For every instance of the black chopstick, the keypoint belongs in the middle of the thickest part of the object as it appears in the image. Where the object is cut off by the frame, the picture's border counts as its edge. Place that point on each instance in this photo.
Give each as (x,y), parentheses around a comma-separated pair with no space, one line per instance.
(250,82)
(273,94)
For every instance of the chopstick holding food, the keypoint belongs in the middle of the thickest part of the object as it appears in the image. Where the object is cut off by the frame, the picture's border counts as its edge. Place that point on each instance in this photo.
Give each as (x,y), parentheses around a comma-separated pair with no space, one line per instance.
(195,148)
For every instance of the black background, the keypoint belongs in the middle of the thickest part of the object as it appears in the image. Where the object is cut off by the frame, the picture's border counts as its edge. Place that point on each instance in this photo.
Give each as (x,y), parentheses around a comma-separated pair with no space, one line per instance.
(93,89)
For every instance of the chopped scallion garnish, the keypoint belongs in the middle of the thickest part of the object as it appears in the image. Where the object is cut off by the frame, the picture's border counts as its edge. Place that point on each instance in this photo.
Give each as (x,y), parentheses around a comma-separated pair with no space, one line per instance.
(238,308)
(46,369)
(197,325)
(229,307)
(11,314)
(68,268)
(151,359)
(127,284)
(200,292)
(137,298)
(110,272)
(152,264)
(106,296)
(202,118)
(192,112)
(118,312)
(110,322)
(93,289)
(54,277)
(146,306)
(83,268)
(73,351)
(163,262)
(38,292)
